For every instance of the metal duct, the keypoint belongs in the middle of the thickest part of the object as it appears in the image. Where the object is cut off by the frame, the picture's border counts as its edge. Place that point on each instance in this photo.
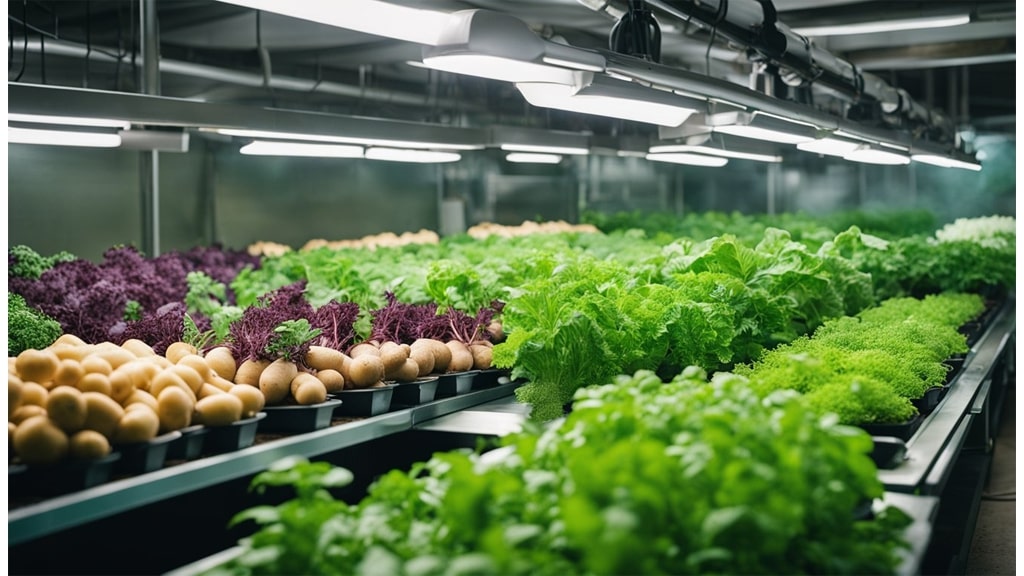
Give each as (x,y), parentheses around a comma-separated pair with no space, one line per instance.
(254,80)
(752,23)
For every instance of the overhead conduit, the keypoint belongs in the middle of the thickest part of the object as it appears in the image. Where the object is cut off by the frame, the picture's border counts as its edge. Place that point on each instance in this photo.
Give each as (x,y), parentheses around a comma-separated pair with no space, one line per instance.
(753,24)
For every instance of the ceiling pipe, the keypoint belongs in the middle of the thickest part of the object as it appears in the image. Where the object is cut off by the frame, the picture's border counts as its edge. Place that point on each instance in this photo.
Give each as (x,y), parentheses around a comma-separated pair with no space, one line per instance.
(253,80)
(752,23)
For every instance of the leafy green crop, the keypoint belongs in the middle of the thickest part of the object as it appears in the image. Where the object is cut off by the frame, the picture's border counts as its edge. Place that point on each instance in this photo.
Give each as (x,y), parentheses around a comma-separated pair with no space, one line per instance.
(685,477)
(27,327)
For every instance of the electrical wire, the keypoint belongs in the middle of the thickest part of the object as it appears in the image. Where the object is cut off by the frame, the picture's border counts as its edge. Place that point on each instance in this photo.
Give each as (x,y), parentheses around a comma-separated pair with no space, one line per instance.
(1010,496)
(42,58)
(88,41)
(24,48)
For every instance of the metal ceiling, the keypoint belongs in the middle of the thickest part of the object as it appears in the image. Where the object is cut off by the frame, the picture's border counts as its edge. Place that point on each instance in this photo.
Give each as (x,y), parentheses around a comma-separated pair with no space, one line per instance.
(212,51)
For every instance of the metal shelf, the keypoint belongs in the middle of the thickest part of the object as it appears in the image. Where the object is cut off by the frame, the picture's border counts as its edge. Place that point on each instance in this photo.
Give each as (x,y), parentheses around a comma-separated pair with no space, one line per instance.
(67,511)
(934,447)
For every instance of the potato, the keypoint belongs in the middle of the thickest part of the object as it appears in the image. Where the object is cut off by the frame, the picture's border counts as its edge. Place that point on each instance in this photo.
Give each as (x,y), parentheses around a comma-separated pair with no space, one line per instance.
(70,340)
(137,425)
(221,361)
(332,379)
(363,348)
(39,441)
(365,370)
(220,383)
(69,372)
(122,384)
(174,408)
(276,379)
(159,361)
(178,350)
(442,354)
(482,356)
(96,364)
(140,397)
(219,410)
(37,365)
(88,445)
(496,331)
(252,399)
(33,393)
(462,358)
(11,427)
(102,413)
(96,382)
(69,352)
(424,358)
(14,388)
(308,389)
(169,378)
(199,364)
(66,407)
(409,371)
(189,375)
(249,372)
(208,390)
(25,412)
(324,358)
(116,356)
(393,356)
(138,348)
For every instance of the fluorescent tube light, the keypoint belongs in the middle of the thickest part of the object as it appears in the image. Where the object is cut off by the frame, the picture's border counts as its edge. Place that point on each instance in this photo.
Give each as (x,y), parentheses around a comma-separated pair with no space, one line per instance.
(945,162)
(500,46)
(369,16)
(407,155)
(688,159)
(265,148)
(869,155)
(544,149)
(885,26)
(610,98)
(345,139)
(763,134)
(829,146)
(62,138)
(712,151)
(69,121)
(528,158)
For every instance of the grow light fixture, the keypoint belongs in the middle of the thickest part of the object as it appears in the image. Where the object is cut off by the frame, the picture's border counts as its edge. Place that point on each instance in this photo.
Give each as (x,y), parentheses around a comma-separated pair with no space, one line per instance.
(712,151)
(270,148)
(347,140)
(523,139)
(369,16)
(688,159)
(529,148)
(602,96)
(531,158)
(945,162)
(62,138)
(502,47)
(408,155)
(869,155)
(885,25)
(829,146)
(761,126)
(69,121)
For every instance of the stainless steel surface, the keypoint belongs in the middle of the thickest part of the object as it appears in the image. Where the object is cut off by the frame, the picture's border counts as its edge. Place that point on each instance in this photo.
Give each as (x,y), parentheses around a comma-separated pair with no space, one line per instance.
(496,418)
(943,465)
(50,516)
(927,449)
(922,510)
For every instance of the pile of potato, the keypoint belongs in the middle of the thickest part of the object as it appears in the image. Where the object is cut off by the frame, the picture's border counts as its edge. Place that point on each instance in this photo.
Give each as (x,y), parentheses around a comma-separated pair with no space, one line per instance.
(486,229)
(74,399)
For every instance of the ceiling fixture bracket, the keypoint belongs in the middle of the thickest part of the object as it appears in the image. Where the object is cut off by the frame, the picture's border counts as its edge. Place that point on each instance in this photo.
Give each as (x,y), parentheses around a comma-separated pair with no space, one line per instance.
(637,33)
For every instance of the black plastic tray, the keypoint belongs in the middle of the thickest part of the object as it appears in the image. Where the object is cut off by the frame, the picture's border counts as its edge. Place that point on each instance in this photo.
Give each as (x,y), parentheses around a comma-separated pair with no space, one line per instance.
(364,402)
(455,383)
(234,436)
(414,393)
(488,378)
(190,445)
(298,418)
(142,457)
(888,452)
(926,404)
(902,431)
(60,478)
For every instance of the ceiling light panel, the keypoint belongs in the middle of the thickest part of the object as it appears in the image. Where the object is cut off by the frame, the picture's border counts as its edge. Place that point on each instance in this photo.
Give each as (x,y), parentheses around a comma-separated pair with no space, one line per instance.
(268,148)
(869,155)
(885,26)
(369,16)
(69,121)
(602,96)
(347,140)
(62,138)
(712,151)
(531,158)
(407,155)
(688,159)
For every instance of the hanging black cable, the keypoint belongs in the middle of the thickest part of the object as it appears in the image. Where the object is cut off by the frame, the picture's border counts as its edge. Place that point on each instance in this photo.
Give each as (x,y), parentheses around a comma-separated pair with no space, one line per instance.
(24,46)
(120,51)
(42,57)
(637,33)
(88,41)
